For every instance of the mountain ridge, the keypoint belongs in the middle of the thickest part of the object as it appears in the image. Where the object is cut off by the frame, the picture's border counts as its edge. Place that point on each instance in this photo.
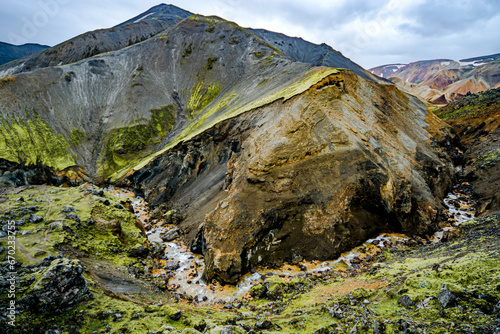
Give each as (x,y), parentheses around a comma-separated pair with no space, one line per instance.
(441,81)
(10,52)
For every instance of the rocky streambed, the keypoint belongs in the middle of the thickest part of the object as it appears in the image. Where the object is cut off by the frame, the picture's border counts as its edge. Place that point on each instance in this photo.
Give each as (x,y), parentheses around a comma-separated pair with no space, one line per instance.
(184,268)
(123,283)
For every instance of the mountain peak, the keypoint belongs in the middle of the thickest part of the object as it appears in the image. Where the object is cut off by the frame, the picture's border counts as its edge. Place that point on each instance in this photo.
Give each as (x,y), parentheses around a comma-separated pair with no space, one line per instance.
(160,12)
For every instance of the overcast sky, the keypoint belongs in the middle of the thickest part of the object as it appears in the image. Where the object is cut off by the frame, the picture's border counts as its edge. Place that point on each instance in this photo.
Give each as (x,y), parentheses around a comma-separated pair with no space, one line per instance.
(370,32)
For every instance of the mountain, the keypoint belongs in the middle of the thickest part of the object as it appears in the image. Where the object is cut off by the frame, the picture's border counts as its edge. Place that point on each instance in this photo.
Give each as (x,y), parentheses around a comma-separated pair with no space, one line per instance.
(319,55)
(178,172)
(444,80)
(9,52)
(100,41)
(206,105)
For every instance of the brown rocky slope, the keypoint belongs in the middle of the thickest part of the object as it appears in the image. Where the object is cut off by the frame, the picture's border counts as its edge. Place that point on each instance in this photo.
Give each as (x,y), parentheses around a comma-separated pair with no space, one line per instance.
(307,177)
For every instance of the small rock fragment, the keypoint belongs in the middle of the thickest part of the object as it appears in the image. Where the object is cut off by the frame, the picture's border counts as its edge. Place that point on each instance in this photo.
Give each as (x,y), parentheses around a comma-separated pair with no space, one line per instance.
(446,297)
(176,317)
(405,301)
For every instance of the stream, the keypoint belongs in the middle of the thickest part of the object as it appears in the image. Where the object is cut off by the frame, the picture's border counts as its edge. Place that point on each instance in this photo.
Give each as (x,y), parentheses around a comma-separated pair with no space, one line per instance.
(185,268)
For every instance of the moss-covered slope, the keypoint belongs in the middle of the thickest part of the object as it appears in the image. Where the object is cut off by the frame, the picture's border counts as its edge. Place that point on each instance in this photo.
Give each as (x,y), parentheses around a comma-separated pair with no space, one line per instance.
(108,112)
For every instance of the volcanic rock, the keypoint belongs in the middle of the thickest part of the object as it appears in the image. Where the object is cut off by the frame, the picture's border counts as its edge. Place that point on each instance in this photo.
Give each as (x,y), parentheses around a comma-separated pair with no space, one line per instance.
(60,286)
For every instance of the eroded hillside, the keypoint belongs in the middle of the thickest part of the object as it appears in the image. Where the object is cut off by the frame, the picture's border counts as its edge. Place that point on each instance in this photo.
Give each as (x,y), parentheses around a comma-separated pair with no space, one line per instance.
(441,81)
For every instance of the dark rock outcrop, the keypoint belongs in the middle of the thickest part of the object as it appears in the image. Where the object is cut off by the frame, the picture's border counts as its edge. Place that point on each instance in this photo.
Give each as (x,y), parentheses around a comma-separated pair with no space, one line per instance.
(58,287)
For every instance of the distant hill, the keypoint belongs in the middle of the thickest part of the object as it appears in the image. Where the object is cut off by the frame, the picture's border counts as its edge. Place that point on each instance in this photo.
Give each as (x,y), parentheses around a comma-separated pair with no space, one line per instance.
(442,81)
(9,52)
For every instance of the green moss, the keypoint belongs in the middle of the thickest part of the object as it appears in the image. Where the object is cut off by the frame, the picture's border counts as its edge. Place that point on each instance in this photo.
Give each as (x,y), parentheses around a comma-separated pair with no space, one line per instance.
(163,37)
(211,21)
(489,158)
(76,136)
(201,97)
(94,234)
(471,105)
(123,146)
(32,141)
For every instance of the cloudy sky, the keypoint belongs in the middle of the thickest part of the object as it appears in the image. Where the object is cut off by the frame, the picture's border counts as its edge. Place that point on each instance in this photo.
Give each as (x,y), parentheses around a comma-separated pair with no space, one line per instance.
(370,32)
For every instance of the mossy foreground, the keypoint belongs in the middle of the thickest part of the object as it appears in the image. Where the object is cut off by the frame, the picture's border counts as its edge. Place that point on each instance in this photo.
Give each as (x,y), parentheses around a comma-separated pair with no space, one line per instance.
(451,287)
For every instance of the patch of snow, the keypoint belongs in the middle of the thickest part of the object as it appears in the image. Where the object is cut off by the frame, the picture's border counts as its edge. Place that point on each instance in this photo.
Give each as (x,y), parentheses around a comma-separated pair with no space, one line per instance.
(470,63)
(445,63)
(142,18)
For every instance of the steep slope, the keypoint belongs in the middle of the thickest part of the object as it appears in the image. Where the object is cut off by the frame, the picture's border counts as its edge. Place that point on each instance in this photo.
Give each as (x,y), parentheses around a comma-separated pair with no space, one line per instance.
(107,112)
(268,158)
(305,177)
(476,120)
(444,80)
(159,18)
(319,55)
(99,41)
(9,52)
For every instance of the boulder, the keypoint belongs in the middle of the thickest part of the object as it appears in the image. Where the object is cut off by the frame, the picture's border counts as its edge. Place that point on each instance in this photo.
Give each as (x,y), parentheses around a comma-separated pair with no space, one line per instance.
(171,234)
(35,219)
(405,301)
(446,297)
(58,287)
(139,252)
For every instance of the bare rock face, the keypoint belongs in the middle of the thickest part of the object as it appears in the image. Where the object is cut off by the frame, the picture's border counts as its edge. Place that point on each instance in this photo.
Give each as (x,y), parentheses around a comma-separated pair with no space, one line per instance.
(312,176)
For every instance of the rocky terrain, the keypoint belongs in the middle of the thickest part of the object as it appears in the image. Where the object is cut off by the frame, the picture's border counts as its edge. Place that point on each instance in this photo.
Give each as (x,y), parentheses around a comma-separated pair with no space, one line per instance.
(440,81)
(180,173)
(476,121)
(86,242)
(9,52)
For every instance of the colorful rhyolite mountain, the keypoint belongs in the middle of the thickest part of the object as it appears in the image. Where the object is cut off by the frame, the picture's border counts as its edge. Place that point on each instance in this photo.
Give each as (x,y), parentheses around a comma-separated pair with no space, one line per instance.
(271,147)
(441,81)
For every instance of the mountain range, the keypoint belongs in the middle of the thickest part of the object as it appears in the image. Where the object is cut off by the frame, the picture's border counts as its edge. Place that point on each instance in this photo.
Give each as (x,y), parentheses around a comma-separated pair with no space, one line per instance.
(178,107)
(441,81)
(9,52)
